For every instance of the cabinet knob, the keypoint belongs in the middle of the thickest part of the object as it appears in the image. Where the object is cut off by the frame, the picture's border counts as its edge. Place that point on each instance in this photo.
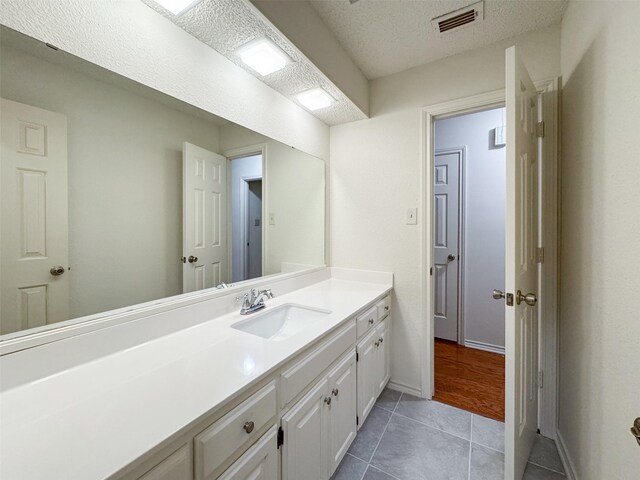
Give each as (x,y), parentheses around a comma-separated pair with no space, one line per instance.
(381,340)
(386,308)
(327,400)
(248,427)
(335,392)
(371,321)
(377,344)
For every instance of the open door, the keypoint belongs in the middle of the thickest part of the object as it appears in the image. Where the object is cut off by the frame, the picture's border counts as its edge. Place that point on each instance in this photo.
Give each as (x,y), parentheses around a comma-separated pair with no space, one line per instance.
(35,226)
(204,238)
(521,276)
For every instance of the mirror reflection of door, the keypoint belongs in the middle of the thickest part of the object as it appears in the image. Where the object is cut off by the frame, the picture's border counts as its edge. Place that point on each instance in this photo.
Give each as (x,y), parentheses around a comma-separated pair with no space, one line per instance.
(246,217)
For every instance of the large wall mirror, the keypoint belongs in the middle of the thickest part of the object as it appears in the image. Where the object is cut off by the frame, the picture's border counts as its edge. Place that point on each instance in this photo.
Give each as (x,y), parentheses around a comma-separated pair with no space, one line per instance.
(114,194)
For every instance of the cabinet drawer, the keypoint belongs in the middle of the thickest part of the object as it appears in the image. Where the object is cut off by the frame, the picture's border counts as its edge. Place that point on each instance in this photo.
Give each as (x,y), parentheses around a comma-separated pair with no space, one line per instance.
(384,306)
(242,424)
(259,462)
(295,379)
(366,320)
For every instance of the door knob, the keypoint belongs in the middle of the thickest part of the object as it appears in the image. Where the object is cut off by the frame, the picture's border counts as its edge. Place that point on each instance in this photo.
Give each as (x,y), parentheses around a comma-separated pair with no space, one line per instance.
(530,298)
(57,270)
(192,259)
(451,257)
(498,294)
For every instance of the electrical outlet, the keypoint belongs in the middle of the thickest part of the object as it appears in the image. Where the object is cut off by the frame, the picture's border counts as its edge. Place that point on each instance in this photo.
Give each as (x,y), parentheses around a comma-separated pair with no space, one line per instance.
(272,219)
(412,216)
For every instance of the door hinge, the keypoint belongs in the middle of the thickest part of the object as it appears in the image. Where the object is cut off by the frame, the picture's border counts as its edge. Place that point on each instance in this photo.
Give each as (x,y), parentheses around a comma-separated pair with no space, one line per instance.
(540,377)
(540,255)
(431,271)
(280,437)
(357,357)
(540,129)
(357,420)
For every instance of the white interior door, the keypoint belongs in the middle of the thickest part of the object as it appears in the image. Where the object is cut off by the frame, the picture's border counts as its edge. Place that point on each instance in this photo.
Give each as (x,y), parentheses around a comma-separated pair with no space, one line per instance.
(34,227)
(254,229)
(521,275)
(204,238)
(446,198)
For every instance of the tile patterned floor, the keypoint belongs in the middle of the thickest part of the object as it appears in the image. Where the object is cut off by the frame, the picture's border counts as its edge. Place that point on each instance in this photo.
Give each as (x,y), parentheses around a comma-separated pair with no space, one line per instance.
(408,438)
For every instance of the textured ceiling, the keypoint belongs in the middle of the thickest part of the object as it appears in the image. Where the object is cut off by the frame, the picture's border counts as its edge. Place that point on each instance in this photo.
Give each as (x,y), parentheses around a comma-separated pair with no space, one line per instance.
(388,36)
(226,25)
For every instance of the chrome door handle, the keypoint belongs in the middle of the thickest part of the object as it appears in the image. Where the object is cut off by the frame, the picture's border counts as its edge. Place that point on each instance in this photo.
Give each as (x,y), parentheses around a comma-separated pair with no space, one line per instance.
(57,270)
(530,298)
(498,294)
(451,257)
(192,259)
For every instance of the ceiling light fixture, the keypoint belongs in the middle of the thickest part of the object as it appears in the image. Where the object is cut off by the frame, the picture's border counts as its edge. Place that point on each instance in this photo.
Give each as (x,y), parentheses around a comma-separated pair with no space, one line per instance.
(315,99)
(177,6)
(263,56)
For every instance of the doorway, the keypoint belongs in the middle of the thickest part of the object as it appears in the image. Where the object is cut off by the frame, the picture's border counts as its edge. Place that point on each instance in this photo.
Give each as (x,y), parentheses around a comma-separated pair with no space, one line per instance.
(469,193)
(246,196)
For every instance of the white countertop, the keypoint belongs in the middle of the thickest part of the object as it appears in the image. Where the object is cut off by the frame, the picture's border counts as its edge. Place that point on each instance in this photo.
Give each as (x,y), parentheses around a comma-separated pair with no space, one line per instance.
(90,421)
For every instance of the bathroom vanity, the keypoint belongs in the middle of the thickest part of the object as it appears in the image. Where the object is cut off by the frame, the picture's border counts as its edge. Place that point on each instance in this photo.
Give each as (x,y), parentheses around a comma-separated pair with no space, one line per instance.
(194,390)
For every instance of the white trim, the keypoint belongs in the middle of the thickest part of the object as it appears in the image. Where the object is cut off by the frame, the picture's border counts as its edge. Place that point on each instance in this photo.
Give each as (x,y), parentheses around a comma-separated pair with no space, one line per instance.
(404,388)
(487,347)
(547,416)
(567,463)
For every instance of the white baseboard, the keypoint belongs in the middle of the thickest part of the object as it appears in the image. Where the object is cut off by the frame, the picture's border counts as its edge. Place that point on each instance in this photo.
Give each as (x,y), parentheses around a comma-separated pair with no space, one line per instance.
(569,468)
(401,387)
(484,346)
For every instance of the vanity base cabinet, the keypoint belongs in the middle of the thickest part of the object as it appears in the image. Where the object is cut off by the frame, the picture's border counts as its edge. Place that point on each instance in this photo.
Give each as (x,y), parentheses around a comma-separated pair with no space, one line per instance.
(383,367)
(367,378)
(342,416)
(304,452)
(260,462)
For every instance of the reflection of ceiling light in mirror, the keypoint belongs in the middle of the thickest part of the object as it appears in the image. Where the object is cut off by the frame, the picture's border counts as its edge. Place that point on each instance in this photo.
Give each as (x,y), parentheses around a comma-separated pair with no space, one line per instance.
(177,6)
(315,99)
(263,56)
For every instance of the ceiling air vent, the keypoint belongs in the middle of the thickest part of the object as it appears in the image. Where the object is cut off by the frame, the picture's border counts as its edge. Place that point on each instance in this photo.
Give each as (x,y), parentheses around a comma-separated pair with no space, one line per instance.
(459,18)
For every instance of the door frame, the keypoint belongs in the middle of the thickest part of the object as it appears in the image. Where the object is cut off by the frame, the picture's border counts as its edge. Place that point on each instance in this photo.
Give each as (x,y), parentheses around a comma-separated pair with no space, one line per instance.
(462,169)
(231,154)
(548,238)
(244,231)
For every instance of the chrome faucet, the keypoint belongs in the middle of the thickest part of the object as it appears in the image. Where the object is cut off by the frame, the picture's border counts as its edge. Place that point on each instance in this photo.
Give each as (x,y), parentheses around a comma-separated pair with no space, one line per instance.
(254,301)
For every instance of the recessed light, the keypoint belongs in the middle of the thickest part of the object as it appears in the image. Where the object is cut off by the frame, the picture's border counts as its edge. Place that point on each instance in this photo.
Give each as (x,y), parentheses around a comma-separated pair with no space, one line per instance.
(177,6)
(263,56)
(315,99)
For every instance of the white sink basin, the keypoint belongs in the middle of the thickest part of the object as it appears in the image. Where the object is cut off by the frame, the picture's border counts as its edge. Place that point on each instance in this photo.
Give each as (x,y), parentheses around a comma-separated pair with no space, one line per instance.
(281,322)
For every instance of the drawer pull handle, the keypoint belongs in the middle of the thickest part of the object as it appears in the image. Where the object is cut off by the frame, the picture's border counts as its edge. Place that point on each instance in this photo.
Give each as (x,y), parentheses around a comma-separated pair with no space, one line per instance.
(327,400)
(371,321)
(335,392)
(248,427)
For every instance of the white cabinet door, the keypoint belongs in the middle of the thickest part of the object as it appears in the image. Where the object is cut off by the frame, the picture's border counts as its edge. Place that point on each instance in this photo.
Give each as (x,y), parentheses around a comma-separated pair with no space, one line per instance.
(382,355)
(304,452)
(342,417)
(176,466)
(367,382)
(260,462)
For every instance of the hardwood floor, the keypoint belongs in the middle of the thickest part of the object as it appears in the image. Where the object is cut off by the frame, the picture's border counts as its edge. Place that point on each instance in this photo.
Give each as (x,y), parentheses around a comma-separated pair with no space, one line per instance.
(470,379)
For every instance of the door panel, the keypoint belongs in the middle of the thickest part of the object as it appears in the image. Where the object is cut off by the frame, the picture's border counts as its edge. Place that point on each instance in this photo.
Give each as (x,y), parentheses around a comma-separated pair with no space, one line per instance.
(260,462)
(34,217)
(304,453)
(342,426)
(204,218)
(445,232)
(521,273)
(367,364)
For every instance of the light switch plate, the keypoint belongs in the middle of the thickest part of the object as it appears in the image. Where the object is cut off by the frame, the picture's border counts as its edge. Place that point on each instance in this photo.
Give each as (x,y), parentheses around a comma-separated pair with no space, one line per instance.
(272,219)
(412,216)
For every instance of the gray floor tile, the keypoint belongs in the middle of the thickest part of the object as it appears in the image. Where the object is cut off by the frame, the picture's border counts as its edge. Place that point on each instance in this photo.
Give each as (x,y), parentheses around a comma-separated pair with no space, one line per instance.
(545,453)
(375,474)
(388,399)
(488,432)
(369,435)
(534,472)
(351,468)
(486,464)
(412,451)
(449,419)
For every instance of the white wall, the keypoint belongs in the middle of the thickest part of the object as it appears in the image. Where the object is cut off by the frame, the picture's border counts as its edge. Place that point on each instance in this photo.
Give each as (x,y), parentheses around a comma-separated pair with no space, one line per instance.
(375,175)
(131,39)
(484,216)
(294,192)
(241,168)
(125,181)
(600,250)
